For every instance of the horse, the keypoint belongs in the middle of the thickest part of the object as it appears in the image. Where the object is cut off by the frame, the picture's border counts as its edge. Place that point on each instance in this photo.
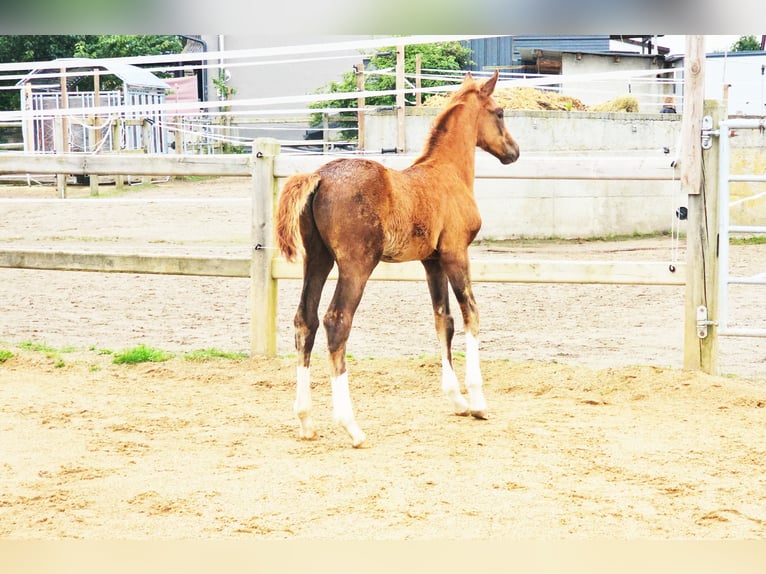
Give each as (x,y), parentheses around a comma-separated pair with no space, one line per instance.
(354,213)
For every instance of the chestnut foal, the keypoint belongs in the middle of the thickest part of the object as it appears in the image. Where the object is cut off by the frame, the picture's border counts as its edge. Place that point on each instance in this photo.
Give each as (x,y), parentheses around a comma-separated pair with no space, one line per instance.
(356,213)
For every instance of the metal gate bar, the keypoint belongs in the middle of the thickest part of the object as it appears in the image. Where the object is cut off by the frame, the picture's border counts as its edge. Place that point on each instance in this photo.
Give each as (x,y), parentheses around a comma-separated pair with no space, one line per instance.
(725,228)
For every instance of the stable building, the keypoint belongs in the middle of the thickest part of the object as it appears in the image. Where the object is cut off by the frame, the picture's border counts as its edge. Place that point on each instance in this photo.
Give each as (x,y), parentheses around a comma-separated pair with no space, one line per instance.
(128,114)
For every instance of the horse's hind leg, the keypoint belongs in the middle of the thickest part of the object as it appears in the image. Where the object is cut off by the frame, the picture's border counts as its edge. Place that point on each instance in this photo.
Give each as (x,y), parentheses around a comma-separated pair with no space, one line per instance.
(457,271)
(337,322)
(316,268)
(438,287)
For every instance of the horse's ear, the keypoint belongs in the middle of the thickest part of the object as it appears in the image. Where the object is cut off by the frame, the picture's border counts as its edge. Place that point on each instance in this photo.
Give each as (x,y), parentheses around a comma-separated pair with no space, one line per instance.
(467,78)
(489,86)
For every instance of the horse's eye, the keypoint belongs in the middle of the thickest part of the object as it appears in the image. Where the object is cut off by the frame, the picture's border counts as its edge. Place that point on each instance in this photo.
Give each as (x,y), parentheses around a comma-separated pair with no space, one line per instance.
(499,113)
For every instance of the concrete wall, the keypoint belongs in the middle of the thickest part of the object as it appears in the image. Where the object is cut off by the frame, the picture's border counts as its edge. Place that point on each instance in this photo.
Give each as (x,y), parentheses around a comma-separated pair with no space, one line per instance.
(555,208)
(647,90)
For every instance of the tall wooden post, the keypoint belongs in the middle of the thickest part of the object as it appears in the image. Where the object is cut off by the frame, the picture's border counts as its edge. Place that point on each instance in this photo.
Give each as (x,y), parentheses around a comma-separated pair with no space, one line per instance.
(418,81)
(64,142)
(263,292)
(93,179)
(360,103)
(401,141)
(700,334)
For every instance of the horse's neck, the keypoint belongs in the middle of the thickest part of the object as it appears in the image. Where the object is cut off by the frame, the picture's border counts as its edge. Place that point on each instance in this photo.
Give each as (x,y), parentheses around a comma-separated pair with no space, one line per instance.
(452,144)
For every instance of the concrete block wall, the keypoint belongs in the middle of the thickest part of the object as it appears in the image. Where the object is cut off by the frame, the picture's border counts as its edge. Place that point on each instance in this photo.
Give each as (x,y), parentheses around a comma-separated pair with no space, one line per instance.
(555,208)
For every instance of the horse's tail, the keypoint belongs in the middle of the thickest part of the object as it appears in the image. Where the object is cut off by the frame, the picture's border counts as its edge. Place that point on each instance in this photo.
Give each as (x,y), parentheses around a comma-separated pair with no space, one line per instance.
(292,202)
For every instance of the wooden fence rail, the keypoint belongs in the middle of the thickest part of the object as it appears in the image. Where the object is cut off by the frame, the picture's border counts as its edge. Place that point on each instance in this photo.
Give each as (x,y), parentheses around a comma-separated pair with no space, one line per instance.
(617,168)
(482,270)
(268,168)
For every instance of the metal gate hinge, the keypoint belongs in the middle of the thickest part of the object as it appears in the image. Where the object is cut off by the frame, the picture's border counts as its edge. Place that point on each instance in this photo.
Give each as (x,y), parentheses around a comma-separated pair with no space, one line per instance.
(708,132)
(703,322)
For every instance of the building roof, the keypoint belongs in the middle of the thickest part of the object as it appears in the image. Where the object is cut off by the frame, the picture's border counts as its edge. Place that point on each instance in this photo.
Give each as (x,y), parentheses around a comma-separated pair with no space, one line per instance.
(131,76)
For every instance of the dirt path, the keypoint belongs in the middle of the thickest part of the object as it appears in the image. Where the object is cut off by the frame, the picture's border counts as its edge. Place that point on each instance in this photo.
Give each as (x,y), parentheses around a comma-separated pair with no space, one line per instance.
(187,450)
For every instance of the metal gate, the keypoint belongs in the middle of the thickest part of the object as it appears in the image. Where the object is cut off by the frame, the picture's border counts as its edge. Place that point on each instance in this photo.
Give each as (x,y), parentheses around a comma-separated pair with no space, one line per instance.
(725,228)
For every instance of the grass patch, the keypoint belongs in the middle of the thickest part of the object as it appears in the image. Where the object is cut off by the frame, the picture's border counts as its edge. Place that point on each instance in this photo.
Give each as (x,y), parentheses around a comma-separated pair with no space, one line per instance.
(202,355)
(141,354)
(98,351)
(50,352)
(752,240)
(37,347)
(5,355)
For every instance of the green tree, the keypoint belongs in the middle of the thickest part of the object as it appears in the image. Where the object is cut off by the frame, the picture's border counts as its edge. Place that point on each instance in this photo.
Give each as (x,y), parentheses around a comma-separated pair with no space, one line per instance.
(32,49)
(122,46)
(746,44)
(443,56)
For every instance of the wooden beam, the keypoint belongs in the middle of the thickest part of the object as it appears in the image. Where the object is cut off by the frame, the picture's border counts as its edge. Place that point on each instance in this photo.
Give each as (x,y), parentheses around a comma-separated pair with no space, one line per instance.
(482,270)
(523,271)
(125,263)
(691,120)
(617,168)
(126,163)
(624,168)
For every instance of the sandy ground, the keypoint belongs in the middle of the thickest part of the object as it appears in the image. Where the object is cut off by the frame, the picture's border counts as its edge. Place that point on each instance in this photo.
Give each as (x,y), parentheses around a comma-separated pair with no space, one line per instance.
(595,431)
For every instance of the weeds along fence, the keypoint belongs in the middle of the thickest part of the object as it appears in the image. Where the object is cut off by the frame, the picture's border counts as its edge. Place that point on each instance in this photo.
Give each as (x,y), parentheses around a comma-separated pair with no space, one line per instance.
(268,170)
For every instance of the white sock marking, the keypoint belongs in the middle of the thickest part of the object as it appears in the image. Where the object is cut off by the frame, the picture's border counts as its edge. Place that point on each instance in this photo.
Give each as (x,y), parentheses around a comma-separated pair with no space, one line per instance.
(451,388)
(342,410)
(303,391)
(473,380)
(341,399)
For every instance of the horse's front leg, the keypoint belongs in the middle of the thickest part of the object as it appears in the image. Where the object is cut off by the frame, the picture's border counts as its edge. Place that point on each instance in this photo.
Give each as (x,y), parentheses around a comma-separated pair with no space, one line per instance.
(459,276)
(438,287)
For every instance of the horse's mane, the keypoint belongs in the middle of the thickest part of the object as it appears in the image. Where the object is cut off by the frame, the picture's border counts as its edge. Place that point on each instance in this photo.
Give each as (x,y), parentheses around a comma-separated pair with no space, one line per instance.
(441,122)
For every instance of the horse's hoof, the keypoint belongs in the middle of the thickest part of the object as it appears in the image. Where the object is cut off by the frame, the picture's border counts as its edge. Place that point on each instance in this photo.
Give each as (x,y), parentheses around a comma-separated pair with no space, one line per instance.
(462,413)
(309,436)
(481,415)
(358,442)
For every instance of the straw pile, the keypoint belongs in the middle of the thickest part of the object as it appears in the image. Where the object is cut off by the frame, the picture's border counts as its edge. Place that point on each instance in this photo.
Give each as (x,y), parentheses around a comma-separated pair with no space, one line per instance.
(526,98)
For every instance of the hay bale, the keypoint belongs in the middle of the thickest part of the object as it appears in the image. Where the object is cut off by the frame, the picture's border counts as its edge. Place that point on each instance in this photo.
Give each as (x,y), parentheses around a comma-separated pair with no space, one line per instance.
(621,104)
(522,98)
(525,98)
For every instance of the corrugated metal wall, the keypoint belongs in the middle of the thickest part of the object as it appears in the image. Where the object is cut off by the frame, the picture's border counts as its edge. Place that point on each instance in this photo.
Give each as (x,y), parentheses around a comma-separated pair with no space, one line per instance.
(504,50)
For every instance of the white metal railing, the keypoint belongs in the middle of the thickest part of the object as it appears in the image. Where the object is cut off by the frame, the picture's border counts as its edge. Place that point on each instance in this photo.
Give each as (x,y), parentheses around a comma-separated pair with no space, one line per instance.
(725,177)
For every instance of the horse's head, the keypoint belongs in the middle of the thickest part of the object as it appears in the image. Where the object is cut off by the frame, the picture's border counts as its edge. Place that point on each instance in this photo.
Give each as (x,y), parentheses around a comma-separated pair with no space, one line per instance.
(492,135)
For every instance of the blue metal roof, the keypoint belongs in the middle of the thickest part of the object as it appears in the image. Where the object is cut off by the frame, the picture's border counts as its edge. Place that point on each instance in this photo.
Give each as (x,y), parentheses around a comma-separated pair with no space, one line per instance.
(504,50)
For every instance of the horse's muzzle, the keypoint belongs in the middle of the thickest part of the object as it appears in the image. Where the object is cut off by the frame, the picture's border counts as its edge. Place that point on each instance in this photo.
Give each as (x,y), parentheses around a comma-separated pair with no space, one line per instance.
(511,154)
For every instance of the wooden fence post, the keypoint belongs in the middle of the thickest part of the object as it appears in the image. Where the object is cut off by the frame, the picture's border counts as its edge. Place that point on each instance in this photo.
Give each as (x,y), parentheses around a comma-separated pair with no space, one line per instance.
(701,352)
(360,103)
(401,137)
(263,291)
(59,146)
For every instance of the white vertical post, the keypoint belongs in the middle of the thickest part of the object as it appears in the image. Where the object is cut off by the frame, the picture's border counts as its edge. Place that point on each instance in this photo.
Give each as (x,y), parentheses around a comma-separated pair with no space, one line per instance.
(723,226)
